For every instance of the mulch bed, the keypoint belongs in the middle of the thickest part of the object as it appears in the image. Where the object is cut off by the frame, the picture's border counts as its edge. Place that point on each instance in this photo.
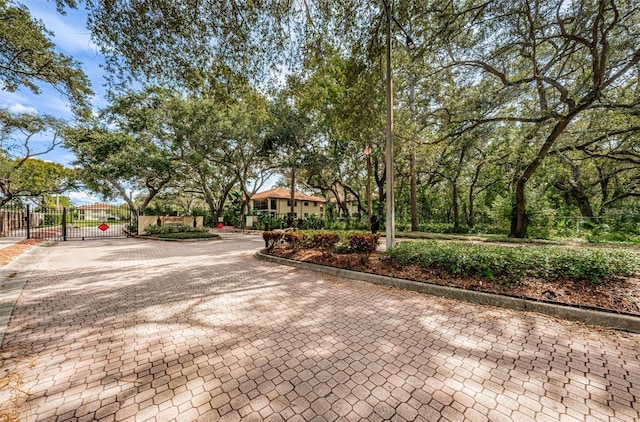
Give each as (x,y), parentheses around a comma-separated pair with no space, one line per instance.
(10,252)
(617,294)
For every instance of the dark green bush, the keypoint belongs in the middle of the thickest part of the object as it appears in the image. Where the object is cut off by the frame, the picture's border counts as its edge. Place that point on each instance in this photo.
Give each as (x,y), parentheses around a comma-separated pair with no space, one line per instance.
(52,220)
(271,238)
(314,222)
(189,235)
(173,229)
(512,263)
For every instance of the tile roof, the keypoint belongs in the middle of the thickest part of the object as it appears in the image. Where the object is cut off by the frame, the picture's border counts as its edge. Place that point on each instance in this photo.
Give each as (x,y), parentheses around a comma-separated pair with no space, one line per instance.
(97,206)
(282,193)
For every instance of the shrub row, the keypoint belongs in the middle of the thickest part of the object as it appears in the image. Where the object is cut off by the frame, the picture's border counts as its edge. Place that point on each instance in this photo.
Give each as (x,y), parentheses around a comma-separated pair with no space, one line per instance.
(189,235)
(512,263)
(173,229)
(358,242)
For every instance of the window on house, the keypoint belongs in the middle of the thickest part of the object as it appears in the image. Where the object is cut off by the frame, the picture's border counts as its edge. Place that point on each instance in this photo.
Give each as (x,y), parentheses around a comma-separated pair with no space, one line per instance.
(260,204)
(274,204)
(306,215)
(315,204)
(306,204)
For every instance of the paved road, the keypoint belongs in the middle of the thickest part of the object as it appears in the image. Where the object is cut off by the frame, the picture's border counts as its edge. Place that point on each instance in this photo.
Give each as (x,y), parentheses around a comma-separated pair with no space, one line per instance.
(124,329)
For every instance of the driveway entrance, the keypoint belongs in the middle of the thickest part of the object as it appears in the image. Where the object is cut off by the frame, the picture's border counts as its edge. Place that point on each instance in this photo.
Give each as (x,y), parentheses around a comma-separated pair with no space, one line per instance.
(127,329)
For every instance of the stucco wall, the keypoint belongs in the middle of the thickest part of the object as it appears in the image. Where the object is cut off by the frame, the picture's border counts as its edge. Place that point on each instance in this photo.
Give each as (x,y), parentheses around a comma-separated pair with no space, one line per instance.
(145,221)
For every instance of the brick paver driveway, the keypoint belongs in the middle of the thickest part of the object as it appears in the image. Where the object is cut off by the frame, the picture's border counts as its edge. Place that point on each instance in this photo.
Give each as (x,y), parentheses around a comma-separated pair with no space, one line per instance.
(134,330)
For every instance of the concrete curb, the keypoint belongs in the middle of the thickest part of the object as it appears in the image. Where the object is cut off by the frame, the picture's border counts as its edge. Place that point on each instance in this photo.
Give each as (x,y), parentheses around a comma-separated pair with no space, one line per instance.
(622,322)
(13,277)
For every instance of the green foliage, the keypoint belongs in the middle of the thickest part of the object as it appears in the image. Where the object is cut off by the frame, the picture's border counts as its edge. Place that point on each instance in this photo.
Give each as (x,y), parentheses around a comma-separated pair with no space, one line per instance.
(20,173)
(52,220)
(314,222)
(346,224)
(150,230)
(512,263)
(28,57)
(268,223)
(271,238)
(189,235)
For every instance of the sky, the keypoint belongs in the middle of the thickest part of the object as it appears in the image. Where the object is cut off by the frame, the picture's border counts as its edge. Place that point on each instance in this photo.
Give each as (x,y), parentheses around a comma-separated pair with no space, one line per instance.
(72,38)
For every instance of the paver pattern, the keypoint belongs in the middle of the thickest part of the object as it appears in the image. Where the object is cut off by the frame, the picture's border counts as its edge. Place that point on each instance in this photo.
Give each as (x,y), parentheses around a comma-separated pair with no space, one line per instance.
(132,330)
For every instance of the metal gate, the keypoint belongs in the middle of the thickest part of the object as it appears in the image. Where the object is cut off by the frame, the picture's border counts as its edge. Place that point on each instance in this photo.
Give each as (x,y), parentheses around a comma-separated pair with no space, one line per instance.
(76,222)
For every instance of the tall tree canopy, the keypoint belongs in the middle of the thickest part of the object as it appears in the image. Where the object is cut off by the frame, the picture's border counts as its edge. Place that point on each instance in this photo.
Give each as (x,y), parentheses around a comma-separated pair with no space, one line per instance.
(21,173)
(28,57)
(504,109)
(540,66)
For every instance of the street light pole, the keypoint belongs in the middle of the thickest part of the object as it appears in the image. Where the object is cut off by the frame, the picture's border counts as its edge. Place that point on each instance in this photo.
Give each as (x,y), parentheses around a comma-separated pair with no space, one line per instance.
(390,228)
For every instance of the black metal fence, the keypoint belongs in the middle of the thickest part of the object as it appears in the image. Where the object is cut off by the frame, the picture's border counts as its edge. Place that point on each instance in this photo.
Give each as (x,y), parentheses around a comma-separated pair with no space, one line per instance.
(66,223)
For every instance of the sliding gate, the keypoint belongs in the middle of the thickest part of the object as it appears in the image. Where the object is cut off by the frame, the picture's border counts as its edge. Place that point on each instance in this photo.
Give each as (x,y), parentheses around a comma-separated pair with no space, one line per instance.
(67,223)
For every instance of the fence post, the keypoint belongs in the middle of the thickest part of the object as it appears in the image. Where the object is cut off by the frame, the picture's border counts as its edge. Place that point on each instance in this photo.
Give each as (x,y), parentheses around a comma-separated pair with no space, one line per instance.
(64,223)
(28,222)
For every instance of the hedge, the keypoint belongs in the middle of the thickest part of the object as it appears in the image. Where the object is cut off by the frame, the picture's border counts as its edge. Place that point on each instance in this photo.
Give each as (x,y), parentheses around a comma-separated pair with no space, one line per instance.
(512,263)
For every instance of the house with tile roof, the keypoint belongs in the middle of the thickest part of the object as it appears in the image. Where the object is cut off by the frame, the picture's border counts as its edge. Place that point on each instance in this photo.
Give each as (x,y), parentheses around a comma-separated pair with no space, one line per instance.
(98,211)
(350,202)
(277,203)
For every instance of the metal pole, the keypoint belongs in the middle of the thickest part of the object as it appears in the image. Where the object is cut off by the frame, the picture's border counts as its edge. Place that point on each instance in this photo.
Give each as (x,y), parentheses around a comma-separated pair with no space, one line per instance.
(390,221)
(28,222)
(64,223)
(369,207)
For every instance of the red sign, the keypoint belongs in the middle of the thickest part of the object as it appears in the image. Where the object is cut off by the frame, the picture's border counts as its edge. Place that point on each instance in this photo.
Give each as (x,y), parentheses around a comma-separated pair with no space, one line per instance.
(103,226)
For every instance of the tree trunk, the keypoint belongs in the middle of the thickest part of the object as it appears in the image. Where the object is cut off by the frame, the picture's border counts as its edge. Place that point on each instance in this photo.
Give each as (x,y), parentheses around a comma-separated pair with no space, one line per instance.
(454,188)
(369,202)
(575,188)
(412,160)
(454,205)
(210,200)
(604,189)
(414,192)
(127,198)
(292,208)
(519,217)
(519,226)
(223,197)
(471,217)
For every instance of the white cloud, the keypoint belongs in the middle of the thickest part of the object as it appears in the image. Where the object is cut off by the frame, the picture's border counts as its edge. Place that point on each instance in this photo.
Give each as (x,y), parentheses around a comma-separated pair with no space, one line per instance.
(17,108)
(49,101)
(7,99)
(81,198)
